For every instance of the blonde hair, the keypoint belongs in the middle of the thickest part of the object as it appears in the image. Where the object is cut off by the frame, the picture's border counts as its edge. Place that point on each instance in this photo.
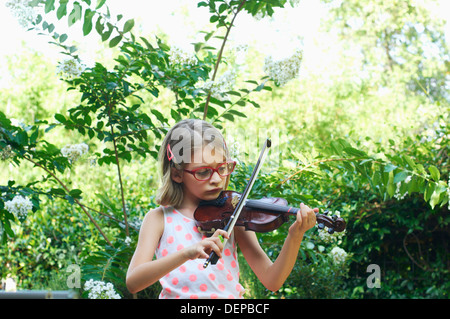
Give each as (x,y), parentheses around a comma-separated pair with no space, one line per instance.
(177,151)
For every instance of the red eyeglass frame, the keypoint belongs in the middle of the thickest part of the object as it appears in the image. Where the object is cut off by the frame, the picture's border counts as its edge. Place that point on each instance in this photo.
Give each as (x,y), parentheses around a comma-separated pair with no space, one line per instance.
(213,170)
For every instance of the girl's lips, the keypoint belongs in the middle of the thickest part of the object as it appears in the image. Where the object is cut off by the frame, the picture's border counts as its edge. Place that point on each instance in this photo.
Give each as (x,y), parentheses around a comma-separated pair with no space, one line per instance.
(215,190)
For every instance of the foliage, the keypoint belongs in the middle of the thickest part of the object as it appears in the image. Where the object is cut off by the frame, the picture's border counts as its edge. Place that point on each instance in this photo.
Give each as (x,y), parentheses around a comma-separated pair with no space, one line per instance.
(393,193)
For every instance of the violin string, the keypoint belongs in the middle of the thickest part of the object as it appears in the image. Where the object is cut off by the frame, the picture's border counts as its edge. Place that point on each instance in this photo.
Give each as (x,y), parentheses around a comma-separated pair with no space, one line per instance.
(258,204)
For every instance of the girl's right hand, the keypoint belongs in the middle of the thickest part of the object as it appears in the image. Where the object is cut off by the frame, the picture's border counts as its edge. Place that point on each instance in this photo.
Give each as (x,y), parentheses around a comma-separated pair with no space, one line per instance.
(204,248)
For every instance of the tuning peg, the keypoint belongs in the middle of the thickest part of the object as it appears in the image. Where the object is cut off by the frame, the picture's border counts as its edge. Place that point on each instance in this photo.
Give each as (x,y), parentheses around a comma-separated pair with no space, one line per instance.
(330,231)
(334,217)
(320,226)
(326,212)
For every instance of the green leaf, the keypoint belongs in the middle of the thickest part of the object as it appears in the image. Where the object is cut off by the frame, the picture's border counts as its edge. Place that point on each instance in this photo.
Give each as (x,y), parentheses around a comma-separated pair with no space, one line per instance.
(75,193)
(22,138)
(115,41)
(58,191)
(434,173)
(237,113)
(391,187)
(159,116)
(409,161)
(62,10)
(255,104)
(223,7)
(435,198)
(228,116)
(389,168)
(99,26)
(75,14)
(336,147)
(49,5)
(354,152)
(128,26)
(62,38)
(100,3)
(87,25)
(60,118)
(107,34)
(428,191)
(149,46)
(400,177)
(34,136)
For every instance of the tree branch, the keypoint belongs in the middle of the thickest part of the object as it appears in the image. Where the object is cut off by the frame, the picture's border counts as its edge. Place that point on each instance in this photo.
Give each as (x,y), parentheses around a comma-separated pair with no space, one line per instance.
(219,56)
(75,199)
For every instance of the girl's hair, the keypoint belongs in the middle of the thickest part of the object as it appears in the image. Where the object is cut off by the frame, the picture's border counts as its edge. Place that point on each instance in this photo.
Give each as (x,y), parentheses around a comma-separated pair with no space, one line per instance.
(177,150)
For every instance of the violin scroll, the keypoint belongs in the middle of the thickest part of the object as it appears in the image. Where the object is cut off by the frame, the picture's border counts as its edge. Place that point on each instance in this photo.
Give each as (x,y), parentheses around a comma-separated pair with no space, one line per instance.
(334,223)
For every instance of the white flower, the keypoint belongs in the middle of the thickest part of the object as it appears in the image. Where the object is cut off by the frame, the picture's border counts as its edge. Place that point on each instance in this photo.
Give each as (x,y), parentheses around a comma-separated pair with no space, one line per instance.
(16,122)
(179,56)
(240,52)
(222,85)
(70,68)
(23,11)
(284,70)
(19,206)
(10,284)
(128,241)
(100,290)
(326,237)
(6,153)
(339,255)
(398,194)
(73,152)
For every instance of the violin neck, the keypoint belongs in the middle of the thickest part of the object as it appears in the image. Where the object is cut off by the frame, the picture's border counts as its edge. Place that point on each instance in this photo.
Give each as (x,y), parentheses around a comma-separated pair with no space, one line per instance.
(257,204)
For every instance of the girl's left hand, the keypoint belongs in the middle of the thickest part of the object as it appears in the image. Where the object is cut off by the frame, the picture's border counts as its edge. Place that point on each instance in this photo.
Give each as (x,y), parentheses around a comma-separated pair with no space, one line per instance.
(306,219)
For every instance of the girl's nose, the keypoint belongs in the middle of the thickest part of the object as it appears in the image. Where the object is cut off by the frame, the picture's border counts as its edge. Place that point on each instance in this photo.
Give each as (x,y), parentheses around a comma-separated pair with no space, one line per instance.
(215,178)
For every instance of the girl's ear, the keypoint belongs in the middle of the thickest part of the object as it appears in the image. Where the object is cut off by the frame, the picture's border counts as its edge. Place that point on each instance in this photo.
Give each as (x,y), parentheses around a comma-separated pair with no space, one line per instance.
(176,175)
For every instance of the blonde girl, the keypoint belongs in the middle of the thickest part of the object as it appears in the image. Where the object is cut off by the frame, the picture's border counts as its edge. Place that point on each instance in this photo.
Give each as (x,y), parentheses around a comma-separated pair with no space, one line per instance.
(195,165)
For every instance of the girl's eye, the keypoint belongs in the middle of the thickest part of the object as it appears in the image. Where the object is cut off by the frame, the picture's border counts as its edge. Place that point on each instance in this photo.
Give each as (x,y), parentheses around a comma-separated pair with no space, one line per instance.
(223,169)
(203,172)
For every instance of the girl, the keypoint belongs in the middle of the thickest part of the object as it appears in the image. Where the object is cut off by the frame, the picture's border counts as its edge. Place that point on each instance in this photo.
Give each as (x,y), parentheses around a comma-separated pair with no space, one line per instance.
(195,166)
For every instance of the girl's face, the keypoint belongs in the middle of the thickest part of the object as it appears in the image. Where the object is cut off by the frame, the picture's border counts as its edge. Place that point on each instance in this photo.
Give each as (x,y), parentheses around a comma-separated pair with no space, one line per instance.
(207,189)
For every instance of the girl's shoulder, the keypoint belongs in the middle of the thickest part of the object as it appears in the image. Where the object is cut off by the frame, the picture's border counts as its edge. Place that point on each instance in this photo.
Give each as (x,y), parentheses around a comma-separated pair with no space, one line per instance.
(154,219)
(156,212)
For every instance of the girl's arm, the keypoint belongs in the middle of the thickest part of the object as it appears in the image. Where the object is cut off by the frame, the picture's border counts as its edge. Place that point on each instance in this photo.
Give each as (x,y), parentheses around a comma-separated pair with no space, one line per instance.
(143,271)
(273,274)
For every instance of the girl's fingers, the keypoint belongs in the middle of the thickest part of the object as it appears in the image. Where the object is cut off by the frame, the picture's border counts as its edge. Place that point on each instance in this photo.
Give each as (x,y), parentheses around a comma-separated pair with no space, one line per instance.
(221,232)
(213,243)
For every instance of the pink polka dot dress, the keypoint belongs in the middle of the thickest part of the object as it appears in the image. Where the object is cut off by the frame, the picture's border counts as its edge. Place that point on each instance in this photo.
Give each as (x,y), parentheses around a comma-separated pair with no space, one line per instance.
(191,280)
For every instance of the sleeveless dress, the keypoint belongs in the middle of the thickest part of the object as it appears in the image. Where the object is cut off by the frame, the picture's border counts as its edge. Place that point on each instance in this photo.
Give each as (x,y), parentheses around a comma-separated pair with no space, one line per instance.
(191,280)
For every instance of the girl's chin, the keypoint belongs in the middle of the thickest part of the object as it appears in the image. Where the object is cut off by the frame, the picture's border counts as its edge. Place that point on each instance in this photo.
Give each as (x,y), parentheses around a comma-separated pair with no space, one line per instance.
(211,195)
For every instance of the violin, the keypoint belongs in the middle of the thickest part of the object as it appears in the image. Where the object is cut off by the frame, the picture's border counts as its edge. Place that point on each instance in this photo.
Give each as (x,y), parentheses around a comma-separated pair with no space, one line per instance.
(260,215)
(231,208)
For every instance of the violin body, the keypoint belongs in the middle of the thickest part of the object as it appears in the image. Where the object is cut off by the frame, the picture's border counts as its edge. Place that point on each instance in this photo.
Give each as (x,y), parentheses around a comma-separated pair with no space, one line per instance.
(262,215)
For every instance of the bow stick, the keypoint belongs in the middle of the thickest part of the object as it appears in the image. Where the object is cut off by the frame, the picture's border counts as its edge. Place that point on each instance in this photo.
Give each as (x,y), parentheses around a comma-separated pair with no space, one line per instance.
(213,257)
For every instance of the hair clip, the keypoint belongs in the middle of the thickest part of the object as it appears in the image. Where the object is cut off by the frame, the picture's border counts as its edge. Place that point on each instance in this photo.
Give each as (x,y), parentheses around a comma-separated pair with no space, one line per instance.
(169,151)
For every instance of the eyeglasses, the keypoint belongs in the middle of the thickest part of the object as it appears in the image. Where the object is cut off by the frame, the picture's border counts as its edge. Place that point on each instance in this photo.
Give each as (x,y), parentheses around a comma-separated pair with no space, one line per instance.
(205,173)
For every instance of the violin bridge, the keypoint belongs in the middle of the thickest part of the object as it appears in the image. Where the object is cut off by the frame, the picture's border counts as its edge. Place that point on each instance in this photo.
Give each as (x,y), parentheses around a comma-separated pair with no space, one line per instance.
(235,200)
